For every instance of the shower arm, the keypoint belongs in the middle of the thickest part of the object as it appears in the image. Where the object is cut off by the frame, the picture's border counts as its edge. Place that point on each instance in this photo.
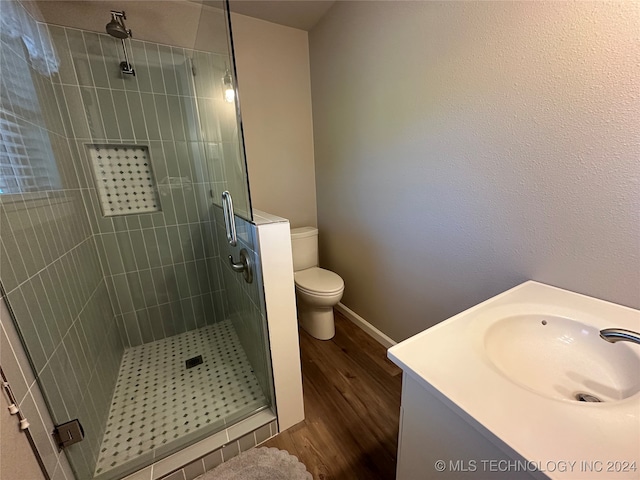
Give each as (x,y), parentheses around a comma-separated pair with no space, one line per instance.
(117,29)
(125,66)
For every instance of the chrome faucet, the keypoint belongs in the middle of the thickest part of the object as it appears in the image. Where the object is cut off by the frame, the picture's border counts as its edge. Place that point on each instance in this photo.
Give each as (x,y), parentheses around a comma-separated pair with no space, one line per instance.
(613,335)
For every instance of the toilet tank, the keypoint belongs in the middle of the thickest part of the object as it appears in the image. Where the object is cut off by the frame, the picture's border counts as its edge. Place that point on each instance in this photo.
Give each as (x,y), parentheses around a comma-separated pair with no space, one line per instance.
(304,244)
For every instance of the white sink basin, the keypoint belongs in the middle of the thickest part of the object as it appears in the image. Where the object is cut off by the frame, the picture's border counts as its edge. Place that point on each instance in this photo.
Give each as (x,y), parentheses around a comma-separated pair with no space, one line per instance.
(562,358)
(503,370)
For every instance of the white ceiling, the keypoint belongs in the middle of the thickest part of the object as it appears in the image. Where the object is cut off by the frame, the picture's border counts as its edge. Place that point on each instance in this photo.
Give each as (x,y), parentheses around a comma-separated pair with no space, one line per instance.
(302,14)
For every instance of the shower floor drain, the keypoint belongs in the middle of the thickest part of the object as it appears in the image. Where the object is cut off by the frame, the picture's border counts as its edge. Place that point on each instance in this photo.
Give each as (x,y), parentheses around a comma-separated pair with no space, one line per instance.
(194,362)
(587,397)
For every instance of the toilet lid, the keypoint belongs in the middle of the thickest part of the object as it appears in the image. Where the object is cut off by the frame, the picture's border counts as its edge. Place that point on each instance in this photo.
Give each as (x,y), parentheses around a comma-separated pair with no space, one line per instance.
(319,280)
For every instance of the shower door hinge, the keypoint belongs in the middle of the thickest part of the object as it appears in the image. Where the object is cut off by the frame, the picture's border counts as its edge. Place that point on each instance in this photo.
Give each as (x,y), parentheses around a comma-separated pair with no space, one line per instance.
(68,433)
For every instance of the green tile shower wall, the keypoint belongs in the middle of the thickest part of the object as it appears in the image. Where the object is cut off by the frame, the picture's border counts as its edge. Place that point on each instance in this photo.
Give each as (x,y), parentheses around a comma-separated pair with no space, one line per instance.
(49,265)
(83,286)
(159,268)
(244,302)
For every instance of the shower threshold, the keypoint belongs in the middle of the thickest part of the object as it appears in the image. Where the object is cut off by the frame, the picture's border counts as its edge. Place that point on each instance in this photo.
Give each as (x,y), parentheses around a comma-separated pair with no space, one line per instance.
(159,404)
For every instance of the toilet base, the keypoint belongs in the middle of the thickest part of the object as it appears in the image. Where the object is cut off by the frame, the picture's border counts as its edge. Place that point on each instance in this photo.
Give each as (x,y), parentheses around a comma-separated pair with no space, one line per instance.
(317,321)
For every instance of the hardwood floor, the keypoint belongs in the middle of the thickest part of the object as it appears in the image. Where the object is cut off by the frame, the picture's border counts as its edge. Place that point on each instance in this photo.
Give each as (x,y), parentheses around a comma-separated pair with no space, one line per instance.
(352,407)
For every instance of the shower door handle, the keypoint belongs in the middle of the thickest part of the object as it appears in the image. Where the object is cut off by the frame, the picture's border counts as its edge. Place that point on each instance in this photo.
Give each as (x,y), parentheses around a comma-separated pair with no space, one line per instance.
(229,218)
(244,266)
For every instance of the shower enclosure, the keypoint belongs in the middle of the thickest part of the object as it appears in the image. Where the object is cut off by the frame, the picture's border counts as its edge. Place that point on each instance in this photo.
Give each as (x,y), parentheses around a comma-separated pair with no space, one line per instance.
(115,259)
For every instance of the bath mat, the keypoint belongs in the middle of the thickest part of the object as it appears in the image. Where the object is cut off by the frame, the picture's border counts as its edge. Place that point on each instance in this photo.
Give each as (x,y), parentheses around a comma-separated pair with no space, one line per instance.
(260,464)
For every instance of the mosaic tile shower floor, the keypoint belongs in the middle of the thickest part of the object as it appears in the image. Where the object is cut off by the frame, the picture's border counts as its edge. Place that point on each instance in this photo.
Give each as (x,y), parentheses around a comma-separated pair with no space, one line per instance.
(157,399)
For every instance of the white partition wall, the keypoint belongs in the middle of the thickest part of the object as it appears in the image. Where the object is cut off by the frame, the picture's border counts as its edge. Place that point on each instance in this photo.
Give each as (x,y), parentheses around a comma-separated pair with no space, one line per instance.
(277,269)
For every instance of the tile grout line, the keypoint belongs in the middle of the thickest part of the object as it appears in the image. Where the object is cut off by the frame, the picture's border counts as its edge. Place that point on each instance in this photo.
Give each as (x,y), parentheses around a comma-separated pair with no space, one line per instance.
(164,155)
(47,266)
(69,328)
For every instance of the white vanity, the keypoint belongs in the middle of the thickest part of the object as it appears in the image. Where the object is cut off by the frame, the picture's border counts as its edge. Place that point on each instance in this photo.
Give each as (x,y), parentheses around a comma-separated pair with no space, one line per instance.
(510,388)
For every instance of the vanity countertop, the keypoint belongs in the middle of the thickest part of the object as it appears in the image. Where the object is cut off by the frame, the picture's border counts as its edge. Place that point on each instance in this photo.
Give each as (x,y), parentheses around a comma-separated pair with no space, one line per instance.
(585,440)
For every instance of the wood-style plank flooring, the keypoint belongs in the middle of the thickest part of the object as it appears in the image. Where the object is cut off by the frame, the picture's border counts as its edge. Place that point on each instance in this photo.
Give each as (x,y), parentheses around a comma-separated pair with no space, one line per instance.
(352,407)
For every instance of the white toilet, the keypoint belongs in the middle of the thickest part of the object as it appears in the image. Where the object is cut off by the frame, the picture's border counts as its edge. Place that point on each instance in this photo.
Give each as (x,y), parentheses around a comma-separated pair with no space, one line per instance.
(317,289)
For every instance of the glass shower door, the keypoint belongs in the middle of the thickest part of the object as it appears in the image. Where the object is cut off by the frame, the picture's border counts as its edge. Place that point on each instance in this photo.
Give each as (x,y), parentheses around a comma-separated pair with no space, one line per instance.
(218,108)
(113,253)
(221,126)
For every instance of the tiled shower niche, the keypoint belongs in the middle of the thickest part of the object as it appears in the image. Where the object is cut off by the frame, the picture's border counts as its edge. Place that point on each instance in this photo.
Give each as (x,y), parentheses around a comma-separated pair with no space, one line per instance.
(124,179)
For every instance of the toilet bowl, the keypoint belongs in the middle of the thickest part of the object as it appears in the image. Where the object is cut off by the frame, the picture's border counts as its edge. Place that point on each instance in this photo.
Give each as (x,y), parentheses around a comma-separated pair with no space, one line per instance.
(317,290)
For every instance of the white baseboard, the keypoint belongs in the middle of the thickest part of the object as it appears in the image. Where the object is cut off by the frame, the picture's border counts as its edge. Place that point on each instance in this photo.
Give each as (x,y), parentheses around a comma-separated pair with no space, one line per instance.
(372,331)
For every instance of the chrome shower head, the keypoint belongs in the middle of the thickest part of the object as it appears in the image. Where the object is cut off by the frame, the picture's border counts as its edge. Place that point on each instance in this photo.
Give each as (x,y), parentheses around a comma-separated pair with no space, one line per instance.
(116,27)
(116,30)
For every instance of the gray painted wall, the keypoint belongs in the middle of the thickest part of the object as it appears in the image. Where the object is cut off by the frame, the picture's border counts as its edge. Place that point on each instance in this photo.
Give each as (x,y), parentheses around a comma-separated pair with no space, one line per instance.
(462,148)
